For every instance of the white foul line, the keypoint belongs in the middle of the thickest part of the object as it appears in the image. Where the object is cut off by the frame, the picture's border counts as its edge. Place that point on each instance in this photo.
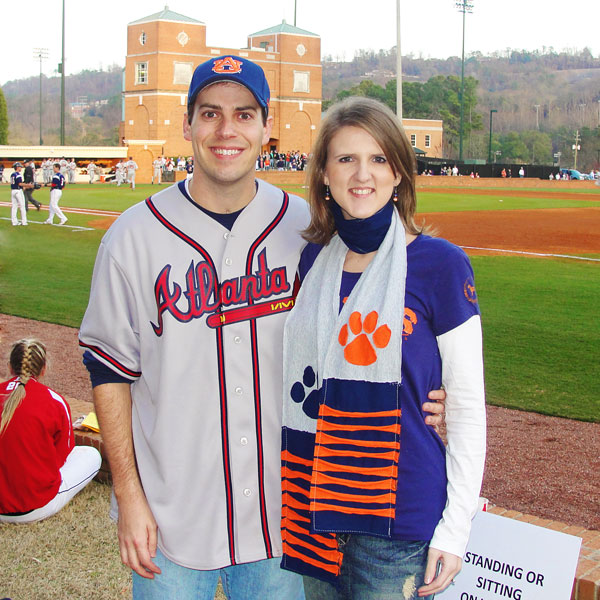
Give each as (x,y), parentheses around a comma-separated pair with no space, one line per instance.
(531,253)
(74,227)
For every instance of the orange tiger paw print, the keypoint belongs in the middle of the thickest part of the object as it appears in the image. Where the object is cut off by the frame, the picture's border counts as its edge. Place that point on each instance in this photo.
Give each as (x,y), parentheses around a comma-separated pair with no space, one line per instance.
(360,350)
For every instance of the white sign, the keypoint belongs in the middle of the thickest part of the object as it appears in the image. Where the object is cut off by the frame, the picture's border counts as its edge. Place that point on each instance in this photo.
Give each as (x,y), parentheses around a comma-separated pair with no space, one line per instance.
(508,559)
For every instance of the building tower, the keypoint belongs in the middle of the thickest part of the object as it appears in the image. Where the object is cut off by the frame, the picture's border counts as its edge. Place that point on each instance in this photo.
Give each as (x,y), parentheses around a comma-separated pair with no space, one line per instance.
(163,50)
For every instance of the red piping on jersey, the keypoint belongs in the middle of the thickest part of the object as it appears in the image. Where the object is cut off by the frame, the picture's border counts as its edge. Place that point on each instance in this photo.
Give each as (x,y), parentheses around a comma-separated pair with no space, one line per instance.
(111,360)
(222,387)
(256,376)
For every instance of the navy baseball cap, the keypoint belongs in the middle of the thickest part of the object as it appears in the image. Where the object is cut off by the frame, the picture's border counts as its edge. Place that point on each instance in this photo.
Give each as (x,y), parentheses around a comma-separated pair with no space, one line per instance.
(234,69)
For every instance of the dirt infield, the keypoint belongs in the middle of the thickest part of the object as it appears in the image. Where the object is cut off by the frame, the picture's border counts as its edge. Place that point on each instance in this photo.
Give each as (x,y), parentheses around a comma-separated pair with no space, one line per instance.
(568,231)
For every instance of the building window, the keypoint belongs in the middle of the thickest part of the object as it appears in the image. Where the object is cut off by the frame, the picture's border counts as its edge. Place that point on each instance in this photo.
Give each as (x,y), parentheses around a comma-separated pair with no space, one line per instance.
(302,81)
(413,140)
(427,141)
(143,38)
(141,73)
(182,72)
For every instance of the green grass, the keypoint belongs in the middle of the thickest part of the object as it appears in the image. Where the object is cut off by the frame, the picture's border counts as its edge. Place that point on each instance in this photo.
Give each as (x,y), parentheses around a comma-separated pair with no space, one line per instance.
(436,202)
(45,271)
(541,318)
(541,329)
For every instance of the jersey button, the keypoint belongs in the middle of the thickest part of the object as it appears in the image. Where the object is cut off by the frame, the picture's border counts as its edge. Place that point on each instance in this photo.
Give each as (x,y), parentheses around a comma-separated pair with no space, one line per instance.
(247,492)
(226,235)
(237,339)
(239,391)
(228,262)
(244,441)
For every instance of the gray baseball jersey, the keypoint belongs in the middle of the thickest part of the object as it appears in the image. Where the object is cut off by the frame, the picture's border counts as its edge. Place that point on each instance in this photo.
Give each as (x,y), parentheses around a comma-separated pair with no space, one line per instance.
(193,314)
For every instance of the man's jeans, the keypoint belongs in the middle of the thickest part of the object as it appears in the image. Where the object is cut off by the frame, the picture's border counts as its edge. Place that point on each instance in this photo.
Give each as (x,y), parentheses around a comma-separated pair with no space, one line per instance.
(374,569)
(261,580)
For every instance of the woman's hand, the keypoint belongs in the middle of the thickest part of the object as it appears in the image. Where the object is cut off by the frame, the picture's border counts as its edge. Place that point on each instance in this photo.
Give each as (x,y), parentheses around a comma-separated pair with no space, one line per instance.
(450,566)
(436,407)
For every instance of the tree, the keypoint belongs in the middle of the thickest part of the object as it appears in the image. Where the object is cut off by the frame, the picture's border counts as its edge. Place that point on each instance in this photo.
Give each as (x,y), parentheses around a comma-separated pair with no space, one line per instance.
(3,120)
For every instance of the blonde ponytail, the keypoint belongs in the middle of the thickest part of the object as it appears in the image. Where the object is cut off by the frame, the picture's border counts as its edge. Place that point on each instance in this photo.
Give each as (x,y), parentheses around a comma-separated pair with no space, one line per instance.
(27,360)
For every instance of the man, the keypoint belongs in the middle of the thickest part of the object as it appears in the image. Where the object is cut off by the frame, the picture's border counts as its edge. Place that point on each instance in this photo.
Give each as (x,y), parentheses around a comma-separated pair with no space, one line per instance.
(91,169)
(16,195)
(131,167)
(187,306)
(72,170)
(157,169)
(189,167)
(29,180)
(58,183)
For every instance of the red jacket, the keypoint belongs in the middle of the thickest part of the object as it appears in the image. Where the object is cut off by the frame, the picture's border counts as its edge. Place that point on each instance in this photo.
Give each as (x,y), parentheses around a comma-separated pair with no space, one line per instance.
(33,448)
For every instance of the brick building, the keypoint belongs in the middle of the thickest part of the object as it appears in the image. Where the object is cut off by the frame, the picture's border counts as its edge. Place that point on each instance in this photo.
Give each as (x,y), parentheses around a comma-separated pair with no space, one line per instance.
(163,50)
(425,135)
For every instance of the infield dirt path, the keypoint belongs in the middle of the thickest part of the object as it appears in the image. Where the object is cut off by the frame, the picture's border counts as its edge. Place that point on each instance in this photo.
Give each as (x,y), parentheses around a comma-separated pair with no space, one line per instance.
(569,231)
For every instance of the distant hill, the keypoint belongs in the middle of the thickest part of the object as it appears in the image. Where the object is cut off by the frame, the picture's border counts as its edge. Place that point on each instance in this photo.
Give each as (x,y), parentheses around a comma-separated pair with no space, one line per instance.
(98,126)
(563,85)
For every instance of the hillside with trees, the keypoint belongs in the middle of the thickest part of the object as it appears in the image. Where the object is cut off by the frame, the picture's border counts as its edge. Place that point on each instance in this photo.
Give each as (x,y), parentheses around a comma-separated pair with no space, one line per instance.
(98,125)
(541,97)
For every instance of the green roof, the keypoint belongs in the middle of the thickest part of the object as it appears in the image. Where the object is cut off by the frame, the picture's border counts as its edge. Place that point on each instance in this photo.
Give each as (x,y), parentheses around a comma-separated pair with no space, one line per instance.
(166,15)
(284,28)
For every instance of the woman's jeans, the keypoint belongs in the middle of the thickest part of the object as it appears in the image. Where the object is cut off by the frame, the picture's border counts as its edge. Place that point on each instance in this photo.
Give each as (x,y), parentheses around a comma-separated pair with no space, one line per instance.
(374,569)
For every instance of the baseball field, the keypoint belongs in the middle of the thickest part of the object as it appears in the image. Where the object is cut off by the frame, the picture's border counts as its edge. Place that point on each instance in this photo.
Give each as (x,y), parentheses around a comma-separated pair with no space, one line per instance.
(535,252)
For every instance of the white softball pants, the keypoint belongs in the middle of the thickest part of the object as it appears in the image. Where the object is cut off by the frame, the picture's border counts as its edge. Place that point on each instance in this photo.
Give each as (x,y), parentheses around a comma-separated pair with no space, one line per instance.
(18,203)
(79,469)
(53,208)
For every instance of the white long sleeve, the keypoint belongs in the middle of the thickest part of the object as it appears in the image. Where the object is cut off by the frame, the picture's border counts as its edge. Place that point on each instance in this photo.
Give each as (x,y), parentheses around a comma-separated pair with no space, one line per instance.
(462,377)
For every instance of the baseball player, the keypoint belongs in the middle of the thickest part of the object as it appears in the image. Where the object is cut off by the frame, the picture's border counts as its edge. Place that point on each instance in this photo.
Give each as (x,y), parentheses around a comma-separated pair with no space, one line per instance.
(131,167)
(119,173)
(16,195)
(58,183)
(183,338)
(64,166)
(157,170)
(72,170)
(91,169)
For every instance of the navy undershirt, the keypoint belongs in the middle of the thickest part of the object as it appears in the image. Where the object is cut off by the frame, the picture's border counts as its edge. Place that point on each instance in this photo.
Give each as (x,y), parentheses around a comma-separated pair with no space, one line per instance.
(99,372)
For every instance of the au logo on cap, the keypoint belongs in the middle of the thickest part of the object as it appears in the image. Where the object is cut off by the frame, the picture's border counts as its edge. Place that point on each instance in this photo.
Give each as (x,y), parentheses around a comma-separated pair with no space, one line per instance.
(227,65)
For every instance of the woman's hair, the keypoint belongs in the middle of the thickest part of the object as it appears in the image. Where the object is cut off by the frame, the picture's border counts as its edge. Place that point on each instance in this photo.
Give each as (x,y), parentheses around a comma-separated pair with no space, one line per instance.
(381,123)
(27,360)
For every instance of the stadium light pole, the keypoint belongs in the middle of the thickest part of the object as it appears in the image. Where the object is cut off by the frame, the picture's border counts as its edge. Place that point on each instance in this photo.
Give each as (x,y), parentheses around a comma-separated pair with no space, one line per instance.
(464,6)
(398,64)
(62,81)
(40,54)
(537,116)
(492,111)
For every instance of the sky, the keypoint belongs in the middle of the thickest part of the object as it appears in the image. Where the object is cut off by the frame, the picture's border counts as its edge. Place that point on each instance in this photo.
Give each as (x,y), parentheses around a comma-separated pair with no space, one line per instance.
(95,35)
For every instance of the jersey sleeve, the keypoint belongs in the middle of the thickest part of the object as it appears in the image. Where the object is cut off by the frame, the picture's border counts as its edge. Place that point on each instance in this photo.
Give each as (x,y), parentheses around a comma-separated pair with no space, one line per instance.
(109,329)
(454,296)
(64,439)
(462,377)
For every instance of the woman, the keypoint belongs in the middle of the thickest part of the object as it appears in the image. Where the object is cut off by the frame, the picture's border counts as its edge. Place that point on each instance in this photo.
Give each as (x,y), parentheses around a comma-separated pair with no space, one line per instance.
(41,469)
(385,313)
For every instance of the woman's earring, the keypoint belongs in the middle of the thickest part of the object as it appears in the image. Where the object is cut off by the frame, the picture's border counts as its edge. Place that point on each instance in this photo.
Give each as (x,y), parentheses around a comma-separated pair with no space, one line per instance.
(395,198)
(327,195)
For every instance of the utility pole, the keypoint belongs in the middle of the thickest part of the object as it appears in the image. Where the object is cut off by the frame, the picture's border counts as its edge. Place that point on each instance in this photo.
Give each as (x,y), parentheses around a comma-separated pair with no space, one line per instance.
(62,81)
(398,65)
(464,6)
(576,147)
(537,116)
(492,111)
(40,54)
